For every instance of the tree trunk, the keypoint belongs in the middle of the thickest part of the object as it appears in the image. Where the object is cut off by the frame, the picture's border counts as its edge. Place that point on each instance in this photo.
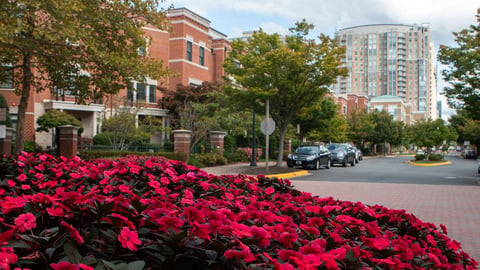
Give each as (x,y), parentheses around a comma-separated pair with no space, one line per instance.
(22,106)
(283,131)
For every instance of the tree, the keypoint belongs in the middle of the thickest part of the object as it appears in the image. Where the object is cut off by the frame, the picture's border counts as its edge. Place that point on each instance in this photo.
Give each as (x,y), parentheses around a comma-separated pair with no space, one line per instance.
(384,127)
(293,73)
(89,47)
(316,117)
(463,71)
(55,118)
(121,130)
(360,127)
(429,133)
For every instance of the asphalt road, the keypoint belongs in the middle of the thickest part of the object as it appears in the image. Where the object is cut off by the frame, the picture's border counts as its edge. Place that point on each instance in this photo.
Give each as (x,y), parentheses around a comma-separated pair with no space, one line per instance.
(395,169)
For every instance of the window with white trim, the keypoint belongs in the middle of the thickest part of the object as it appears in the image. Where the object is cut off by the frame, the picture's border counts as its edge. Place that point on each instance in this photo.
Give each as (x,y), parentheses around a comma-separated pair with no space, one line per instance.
(140,92)
(201,56)
(189,50)
(6,76)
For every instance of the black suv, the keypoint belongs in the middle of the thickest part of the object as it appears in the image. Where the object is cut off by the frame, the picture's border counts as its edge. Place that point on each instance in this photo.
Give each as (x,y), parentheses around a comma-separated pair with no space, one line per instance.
(342,153)
(310,156)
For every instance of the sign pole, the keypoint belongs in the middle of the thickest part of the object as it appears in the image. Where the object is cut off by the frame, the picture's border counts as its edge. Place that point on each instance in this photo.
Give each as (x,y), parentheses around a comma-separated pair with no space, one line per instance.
(268,135)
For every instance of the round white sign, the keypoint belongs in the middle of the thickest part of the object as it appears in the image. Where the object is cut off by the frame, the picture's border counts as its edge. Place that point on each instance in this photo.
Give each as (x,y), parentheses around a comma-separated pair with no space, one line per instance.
(271,126)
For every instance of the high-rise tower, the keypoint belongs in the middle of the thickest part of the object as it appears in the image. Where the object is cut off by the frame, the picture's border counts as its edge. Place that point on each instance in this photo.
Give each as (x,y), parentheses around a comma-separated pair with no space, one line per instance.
(389,60)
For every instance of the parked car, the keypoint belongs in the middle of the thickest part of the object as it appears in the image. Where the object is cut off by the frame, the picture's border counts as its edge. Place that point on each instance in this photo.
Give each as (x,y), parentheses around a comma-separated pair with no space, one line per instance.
(420,152)
(478,165)
(310,156)
(470,154)
(358,154)
(342,154)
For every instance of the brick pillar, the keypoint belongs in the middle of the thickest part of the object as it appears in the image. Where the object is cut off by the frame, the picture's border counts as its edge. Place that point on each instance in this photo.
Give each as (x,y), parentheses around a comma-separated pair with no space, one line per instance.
(68,140)
(181,141)
(216,140)
(288,146)
(6,143)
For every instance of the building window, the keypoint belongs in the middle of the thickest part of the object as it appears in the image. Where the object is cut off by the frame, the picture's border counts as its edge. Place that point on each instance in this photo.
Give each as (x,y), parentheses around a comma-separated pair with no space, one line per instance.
(130,90)
(151,93)
(6,77)
(201,57)
(140,92)
(189,50)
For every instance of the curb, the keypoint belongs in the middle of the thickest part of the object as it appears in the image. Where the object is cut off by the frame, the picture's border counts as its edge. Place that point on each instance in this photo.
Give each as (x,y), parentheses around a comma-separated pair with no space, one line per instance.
(289,175)
(430,165)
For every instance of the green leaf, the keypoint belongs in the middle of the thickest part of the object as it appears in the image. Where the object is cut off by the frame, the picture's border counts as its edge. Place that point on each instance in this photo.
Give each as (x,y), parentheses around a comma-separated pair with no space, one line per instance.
(88,260)
(109,265)
(71,252)
(136,265)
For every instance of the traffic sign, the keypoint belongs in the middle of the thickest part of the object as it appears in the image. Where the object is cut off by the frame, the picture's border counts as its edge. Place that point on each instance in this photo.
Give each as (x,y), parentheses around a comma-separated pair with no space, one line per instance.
(271,126)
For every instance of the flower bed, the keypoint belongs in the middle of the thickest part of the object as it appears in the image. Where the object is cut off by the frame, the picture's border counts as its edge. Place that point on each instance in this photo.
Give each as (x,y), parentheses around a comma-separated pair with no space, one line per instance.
(150,213)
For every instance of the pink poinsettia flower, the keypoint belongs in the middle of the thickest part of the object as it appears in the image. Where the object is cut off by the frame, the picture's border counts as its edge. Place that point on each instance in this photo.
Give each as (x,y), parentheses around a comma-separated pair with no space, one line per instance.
(73,232)
(64,266)
(129,239)
(7,257)
(166,222)
(243,254)
(22,177)
(25,222)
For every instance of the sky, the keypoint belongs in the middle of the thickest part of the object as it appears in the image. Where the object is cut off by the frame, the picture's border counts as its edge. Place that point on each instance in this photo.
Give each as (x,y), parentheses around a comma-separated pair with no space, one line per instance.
(232,17)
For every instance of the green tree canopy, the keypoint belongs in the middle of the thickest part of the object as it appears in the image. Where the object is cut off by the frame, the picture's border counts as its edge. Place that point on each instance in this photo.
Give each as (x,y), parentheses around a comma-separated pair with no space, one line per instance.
(293,72)
(317,117)
(88,46)
(55,118)
(429,133)
(463,70)
(384,127)
(360,127)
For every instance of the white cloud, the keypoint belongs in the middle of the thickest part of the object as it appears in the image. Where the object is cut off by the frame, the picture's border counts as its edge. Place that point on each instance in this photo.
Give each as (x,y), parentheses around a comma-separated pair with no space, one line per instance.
(444,16)
(270,27)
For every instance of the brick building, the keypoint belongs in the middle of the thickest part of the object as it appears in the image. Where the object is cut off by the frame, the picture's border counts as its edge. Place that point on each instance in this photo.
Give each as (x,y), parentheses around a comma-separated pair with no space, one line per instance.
(192,50)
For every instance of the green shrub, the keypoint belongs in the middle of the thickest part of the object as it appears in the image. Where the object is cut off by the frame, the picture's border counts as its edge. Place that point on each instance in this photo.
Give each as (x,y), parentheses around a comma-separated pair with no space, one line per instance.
(29,147)
(419,157)
(210,159)
(237,156)
(94,154)
(195,162)
(435,157)
(229,143)
(102,138)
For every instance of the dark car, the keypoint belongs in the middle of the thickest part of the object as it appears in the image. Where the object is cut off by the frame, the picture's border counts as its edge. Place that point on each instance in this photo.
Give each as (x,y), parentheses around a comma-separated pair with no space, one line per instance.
(310,156)
(470,154)
(358,154)
(342,154)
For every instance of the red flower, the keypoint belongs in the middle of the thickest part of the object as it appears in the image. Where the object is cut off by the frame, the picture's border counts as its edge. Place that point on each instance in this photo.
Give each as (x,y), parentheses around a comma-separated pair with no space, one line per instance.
(166,222)
(73,232)
(269,190)
(129,239)
(64,266)
(25,222)
(243,254)
(7,257)
(55,211)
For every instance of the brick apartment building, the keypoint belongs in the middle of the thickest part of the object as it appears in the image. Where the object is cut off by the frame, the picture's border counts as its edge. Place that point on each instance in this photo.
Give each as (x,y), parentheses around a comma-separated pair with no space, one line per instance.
(192,50)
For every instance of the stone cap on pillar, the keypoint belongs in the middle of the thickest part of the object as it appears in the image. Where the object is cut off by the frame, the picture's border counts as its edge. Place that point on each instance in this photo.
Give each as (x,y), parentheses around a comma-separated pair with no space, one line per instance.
(181,131)
(68,129)
(217,133)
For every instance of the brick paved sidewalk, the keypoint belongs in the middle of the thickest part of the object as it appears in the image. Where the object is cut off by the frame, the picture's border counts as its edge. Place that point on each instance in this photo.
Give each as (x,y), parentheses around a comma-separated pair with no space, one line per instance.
(457,207)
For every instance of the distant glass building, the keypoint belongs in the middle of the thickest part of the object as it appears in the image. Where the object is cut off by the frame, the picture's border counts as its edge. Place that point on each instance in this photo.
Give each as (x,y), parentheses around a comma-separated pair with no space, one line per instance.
(390,60)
